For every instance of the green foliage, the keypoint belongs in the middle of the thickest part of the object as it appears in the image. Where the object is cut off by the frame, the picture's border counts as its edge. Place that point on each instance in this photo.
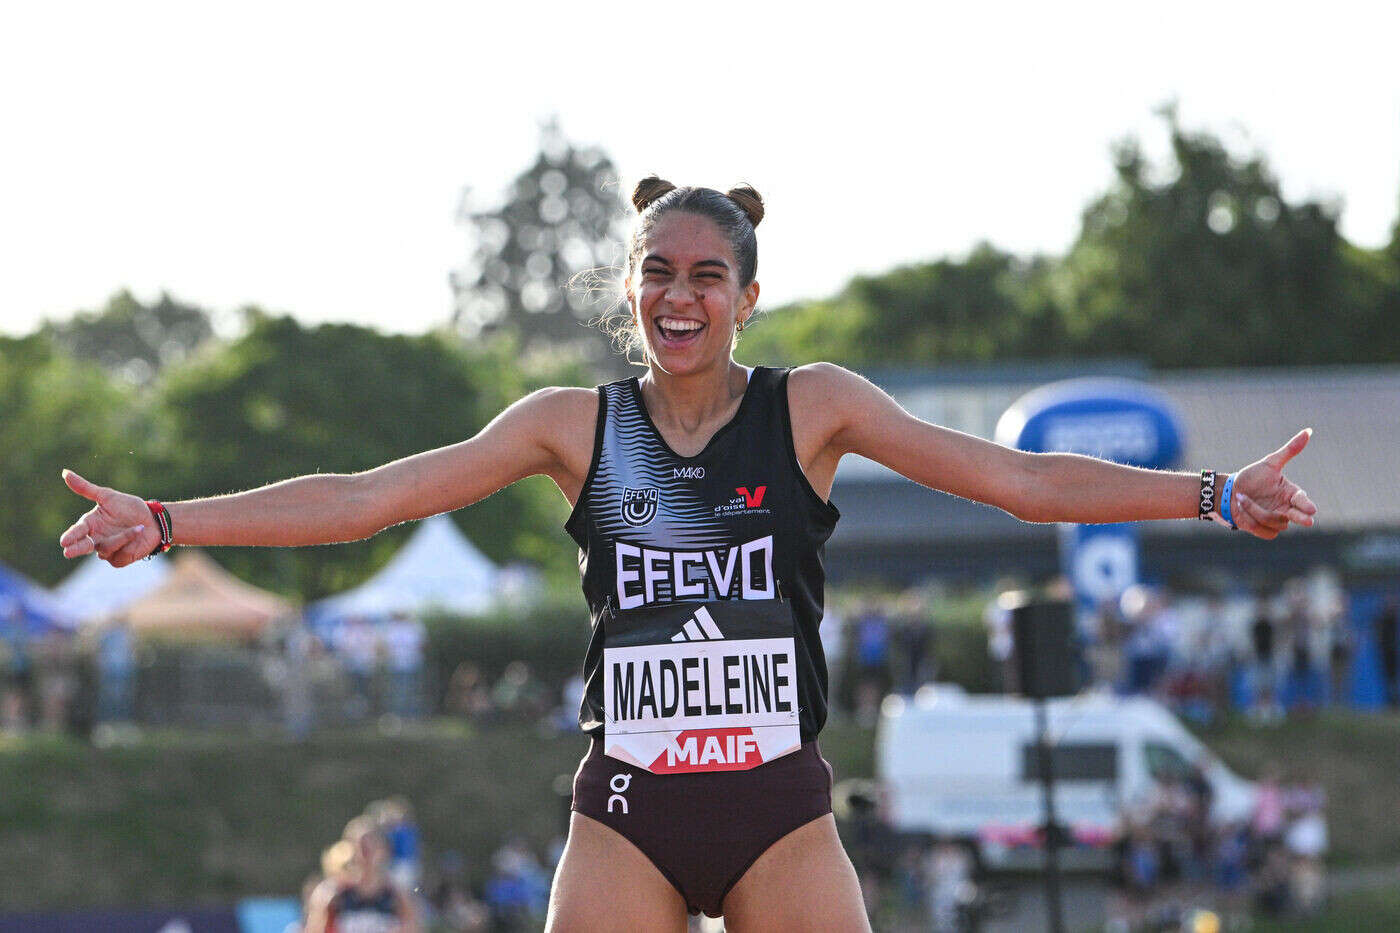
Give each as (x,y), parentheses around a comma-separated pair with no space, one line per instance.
(1214,267)
(133,339)
(550,638)
(284,400)
(1199,262)
(561,217)
(56,413)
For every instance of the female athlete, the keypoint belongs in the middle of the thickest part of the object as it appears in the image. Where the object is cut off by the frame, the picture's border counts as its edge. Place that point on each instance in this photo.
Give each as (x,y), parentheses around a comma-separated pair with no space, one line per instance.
(700,505)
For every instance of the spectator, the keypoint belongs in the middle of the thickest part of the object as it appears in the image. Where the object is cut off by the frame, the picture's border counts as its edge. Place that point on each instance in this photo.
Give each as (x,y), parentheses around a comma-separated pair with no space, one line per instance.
(58,681)
(913,632)
(1306,843)
(1268,821)
(394,817)
(1388,642)
(116,672)
(518,892)
(356,643)
(403,644)
(517,693)
(1001,643)
(467,693)
(458,909)
(1265,705)
(872,663)
(362,896)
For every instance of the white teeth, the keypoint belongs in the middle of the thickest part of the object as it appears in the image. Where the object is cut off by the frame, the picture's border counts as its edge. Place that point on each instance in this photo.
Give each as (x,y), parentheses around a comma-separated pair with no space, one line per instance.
(681,325)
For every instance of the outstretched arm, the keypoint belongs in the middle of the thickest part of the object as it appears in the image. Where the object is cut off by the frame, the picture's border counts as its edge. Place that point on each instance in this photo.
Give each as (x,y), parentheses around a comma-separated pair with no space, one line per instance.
(850,415)
(542,433)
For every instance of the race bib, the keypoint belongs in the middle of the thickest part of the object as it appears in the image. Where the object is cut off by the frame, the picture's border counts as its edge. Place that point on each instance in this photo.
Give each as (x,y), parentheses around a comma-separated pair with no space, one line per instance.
(700,686)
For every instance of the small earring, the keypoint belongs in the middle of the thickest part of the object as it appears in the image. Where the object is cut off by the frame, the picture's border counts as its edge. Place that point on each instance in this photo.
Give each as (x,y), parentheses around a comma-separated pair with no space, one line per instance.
(738,327)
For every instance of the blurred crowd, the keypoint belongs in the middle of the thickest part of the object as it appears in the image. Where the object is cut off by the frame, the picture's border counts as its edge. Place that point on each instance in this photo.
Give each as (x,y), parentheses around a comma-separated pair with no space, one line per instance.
(373,880)
(1171,858)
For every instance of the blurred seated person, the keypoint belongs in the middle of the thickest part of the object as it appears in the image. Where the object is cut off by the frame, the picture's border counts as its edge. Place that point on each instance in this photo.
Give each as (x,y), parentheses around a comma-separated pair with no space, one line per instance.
(361,897)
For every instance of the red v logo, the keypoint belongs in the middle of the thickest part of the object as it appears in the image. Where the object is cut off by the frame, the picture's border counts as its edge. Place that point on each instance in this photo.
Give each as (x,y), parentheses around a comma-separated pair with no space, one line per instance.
(752,500)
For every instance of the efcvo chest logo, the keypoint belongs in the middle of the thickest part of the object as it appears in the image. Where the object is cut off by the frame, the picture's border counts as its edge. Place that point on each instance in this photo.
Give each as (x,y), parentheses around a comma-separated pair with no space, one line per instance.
(639,505)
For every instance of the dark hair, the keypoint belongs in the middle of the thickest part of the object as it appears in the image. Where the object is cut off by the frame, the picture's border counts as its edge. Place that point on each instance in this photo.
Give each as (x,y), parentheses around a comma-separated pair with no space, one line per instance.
(736,212)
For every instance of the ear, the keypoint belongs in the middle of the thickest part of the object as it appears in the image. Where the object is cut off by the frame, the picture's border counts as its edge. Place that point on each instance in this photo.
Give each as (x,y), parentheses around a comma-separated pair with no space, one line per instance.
(748,300)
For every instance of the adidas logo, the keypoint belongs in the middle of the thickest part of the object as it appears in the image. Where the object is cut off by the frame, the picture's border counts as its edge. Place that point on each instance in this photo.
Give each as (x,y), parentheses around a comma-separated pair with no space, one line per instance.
(700,628)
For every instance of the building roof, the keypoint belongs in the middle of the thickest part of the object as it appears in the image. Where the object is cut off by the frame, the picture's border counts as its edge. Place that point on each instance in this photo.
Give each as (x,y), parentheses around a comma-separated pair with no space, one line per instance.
(1351,468)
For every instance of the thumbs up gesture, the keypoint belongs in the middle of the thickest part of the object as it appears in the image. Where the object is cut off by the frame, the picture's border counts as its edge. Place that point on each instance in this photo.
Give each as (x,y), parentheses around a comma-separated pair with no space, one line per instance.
(119,528)
(1264,500)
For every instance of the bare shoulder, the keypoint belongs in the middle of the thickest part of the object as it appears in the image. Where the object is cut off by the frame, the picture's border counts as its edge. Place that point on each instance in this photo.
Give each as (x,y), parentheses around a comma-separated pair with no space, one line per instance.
(827,393)
(822,384)
(564,421)
(560,402)
(556,411)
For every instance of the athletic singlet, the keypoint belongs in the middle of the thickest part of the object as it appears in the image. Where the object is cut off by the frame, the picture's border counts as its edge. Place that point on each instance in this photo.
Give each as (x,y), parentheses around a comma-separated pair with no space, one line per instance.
(736,522)
(353,912)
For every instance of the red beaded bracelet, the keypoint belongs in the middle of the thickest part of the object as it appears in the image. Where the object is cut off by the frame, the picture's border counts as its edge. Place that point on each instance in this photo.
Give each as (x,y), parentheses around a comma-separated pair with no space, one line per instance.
(166,526)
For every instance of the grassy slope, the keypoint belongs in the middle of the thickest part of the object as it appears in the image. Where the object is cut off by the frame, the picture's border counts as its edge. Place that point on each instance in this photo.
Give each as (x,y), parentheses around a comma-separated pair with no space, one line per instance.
(1356,759)
(176,819)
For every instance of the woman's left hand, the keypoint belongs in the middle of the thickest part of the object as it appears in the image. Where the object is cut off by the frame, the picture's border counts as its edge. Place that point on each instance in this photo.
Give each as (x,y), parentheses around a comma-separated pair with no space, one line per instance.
(1264,501)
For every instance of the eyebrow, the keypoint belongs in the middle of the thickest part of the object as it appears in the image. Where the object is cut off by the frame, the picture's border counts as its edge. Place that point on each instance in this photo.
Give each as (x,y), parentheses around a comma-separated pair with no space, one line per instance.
(652,257)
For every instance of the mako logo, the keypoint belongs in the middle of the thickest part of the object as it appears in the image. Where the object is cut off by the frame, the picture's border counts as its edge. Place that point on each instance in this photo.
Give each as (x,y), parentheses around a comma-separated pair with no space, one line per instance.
(639,505)
(687,472)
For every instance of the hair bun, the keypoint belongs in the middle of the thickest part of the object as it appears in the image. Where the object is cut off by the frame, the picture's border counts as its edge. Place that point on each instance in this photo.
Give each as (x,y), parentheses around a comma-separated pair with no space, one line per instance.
(749,201)
(648,190)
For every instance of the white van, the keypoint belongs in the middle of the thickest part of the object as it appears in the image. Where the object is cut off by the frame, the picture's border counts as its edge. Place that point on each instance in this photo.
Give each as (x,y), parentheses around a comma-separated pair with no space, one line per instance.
(967,767)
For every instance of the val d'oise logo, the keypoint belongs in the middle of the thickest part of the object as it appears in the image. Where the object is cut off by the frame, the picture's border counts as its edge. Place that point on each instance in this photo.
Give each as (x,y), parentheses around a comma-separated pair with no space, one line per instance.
(752,500)
(639,505)
(745,502)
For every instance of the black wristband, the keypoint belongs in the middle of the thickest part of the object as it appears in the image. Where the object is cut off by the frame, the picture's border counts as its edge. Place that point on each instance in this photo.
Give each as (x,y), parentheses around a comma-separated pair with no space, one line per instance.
(1207,503)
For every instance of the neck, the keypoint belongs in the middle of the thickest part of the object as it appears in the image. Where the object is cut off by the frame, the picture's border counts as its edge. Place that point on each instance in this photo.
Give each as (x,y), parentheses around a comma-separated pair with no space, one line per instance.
(695,398)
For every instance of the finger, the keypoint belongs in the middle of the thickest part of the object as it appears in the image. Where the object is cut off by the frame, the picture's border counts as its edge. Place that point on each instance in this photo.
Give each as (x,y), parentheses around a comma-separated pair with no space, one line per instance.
(1300,501)
(1290,450)
(1299,517)
(75,533)
(1263,523)
(84,488)
(84,545)
(109,545)
(129,553)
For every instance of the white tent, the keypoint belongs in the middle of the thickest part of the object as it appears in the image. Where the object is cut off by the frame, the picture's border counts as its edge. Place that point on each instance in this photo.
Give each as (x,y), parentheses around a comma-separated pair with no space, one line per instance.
(436,569)
(97,590)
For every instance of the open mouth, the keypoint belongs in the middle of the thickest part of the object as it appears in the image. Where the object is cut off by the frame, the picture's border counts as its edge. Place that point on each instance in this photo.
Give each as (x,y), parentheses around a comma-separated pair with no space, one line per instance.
(677,332)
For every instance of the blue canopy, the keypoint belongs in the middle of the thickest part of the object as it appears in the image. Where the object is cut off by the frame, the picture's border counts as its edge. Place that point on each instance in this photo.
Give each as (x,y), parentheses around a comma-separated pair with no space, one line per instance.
(26,608)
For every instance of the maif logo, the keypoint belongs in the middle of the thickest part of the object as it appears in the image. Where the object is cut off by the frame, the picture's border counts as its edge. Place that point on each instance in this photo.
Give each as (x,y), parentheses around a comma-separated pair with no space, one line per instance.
(639,505)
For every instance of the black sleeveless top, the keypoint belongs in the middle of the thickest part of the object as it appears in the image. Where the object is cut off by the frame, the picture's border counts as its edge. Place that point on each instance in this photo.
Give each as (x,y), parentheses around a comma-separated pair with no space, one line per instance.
(737,521)
(351,910)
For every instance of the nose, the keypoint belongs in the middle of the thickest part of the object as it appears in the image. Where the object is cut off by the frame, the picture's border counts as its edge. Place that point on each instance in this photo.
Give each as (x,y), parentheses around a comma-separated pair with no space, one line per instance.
(679,292)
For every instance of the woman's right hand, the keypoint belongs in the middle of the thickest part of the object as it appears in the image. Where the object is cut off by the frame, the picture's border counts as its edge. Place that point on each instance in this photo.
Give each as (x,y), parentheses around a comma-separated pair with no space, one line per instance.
(119,528)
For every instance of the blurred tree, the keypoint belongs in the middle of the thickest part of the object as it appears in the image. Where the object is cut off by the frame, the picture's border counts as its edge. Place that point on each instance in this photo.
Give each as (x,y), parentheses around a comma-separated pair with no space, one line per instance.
(133,339)
(562,216)
(1199,262)
(284,400)
(56,413)
(1202,262)
(988,306)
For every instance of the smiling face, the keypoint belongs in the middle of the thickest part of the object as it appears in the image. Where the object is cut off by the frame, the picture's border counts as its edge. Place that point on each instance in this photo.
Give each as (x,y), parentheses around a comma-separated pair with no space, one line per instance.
(685,294)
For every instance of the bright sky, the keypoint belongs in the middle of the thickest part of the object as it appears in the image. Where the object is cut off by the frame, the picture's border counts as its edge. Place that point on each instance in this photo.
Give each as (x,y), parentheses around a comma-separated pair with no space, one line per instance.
(308,157)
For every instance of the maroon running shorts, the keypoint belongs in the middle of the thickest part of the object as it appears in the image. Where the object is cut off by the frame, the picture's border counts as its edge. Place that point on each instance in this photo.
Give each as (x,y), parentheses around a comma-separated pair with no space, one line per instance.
(703,831)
